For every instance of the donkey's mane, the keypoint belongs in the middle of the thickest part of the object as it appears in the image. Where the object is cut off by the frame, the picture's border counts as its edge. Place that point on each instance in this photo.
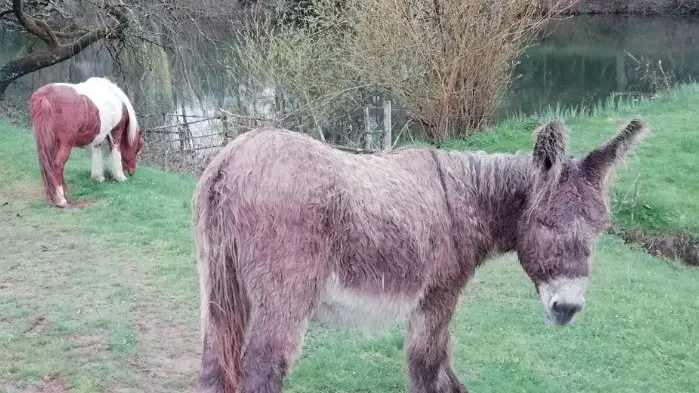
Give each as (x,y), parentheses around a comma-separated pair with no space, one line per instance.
(492,188)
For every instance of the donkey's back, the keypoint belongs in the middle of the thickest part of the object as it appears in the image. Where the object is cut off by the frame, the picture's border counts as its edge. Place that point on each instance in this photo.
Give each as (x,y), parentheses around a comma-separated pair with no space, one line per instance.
(363,229)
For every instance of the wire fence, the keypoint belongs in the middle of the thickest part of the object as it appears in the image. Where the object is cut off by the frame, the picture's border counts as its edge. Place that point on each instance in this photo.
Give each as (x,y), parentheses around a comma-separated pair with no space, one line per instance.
(188,142)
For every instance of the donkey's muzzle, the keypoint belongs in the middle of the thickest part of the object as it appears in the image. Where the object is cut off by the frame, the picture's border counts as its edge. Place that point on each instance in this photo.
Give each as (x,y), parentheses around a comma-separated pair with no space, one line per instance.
(562,313)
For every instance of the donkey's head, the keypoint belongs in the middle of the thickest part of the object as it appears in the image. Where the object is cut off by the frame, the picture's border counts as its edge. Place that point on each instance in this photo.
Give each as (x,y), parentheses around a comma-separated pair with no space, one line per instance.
(565,212)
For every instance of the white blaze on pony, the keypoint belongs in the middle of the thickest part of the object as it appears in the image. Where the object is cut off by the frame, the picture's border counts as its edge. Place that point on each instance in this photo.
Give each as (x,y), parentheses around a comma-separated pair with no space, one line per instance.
(94,114)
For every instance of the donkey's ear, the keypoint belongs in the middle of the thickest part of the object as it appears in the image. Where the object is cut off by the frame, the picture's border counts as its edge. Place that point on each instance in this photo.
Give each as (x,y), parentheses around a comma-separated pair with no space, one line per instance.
(550,149)
(597,165)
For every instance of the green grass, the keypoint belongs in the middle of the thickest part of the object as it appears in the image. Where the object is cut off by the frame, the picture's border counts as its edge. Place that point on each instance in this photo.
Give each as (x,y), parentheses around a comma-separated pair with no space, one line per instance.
(117,288)
(656,188)
(97,275)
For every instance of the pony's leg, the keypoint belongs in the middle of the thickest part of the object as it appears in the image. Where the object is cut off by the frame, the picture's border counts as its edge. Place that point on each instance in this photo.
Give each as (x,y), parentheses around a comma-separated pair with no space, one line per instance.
(97,167)
(62,156)
(115,165)
(277,329)
(429,344)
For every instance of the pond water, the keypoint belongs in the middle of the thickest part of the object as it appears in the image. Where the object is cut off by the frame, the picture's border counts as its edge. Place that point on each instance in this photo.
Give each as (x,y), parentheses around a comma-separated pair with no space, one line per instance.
(580,61)
(586,59)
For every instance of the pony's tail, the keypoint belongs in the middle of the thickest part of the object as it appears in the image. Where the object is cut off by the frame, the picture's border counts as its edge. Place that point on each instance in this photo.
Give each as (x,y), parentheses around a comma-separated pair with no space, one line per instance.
(41,113)
(224,302)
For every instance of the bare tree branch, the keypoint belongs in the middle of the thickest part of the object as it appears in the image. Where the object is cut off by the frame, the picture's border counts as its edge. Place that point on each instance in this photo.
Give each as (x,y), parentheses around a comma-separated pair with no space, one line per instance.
(56,52)
(35,26)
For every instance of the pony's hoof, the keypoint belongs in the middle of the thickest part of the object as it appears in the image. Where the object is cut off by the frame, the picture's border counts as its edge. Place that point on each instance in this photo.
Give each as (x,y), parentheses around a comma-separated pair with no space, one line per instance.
(61,203)
(98,179)
(120,178)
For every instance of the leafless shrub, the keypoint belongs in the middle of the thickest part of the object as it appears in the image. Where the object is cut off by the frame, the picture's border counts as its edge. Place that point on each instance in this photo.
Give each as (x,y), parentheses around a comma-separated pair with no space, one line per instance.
(293,76)
(449,61)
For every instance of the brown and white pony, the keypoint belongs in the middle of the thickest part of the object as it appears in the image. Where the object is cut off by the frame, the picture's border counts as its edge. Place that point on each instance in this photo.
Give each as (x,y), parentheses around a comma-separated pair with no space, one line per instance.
(85,115)
(290,230)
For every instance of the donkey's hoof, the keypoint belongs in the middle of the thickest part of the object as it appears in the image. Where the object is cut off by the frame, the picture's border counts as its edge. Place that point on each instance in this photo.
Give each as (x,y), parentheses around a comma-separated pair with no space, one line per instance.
(98,178)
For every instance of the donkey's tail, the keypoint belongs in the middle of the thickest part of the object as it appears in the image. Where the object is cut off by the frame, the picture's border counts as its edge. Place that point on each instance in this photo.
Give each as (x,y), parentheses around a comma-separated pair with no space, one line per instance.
(42,121)
(224,303)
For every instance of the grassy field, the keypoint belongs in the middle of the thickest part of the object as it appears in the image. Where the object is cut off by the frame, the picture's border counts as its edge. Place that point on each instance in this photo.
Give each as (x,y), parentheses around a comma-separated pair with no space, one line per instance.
(106,300)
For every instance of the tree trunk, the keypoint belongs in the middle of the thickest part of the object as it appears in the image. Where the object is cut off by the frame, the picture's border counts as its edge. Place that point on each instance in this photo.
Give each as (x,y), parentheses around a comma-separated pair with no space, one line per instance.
(54,53)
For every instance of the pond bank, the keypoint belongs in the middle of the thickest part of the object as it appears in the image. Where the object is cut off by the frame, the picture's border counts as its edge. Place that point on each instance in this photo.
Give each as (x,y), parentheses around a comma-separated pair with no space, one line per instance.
(642,7)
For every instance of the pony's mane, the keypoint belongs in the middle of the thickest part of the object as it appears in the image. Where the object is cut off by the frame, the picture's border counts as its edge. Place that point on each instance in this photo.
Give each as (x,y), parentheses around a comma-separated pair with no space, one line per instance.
(133,122)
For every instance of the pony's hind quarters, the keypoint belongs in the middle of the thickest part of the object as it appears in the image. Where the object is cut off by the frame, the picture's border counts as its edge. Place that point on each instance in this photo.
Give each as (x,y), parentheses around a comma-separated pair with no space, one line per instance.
(288,228)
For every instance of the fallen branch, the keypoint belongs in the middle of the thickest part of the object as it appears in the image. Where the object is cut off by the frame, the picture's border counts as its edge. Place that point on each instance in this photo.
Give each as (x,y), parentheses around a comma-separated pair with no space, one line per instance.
(155,129)
(352,149)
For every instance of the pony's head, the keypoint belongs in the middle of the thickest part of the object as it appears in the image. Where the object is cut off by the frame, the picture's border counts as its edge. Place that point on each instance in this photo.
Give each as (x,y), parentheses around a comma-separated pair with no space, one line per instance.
(565,212)
(129,153)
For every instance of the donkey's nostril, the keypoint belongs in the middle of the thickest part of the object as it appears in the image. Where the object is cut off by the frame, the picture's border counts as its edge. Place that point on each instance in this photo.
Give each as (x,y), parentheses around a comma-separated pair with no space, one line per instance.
(566,308)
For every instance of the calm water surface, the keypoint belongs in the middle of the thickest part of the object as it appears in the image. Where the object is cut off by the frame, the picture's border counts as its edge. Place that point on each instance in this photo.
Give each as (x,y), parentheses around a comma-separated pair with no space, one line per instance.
(588,58)
(579,62)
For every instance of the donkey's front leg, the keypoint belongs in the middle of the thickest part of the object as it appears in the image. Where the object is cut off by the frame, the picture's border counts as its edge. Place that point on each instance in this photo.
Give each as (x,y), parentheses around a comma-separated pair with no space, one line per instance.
(96,167)
(429,349)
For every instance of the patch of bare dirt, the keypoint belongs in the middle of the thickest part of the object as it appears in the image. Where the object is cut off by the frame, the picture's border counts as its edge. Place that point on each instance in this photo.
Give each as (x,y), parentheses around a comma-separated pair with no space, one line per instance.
(671,246)
(170,351)
(95,341)
(20,193)
(50,384)
(37,325)
(79,204)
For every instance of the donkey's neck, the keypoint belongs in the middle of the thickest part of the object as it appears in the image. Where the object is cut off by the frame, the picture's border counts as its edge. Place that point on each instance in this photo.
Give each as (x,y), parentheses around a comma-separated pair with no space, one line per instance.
(486,195)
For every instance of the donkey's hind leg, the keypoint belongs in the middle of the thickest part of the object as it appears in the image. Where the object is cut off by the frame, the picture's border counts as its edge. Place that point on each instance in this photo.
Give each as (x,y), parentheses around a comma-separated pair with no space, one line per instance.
(277,329)
(429,344)
(210,378)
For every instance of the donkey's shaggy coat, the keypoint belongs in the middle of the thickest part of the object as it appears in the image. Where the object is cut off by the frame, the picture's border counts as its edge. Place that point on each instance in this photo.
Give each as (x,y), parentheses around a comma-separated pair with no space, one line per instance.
(289,229)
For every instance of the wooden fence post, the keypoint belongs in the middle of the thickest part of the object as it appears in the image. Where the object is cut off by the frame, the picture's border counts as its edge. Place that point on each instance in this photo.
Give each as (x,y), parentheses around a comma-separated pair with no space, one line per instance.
(226,129)
(368,135)
(386,139)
